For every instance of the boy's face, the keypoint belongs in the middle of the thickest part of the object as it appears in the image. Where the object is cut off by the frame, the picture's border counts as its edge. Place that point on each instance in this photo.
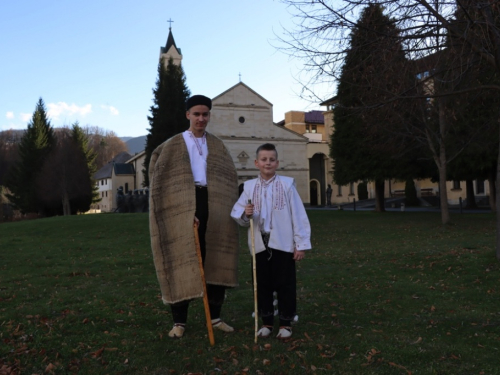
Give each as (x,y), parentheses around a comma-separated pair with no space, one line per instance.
(198,116)
(267,163)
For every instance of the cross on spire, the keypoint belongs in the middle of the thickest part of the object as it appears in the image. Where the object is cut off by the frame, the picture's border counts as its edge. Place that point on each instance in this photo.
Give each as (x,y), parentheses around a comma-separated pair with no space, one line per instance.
(170,22)
(240,76)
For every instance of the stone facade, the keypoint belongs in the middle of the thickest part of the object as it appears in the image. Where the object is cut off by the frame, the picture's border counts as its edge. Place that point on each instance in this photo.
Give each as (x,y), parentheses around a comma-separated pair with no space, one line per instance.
(243,120)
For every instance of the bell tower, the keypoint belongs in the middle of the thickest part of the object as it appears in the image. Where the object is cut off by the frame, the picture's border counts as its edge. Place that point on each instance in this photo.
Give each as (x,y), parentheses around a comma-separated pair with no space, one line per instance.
(170,50)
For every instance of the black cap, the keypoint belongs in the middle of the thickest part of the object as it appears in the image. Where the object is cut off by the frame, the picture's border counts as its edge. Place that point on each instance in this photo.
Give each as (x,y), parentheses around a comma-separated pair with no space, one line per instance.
(198,100)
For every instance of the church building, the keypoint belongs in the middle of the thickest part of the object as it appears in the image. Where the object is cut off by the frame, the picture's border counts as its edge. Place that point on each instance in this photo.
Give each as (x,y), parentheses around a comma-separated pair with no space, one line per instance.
(243,119)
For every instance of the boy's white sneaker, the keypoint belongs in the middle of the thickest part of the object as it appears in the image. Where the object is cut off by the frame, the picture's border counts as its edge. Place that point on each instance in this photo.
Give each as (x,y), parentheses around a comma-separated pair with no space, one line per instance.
(284,333)
(265,331)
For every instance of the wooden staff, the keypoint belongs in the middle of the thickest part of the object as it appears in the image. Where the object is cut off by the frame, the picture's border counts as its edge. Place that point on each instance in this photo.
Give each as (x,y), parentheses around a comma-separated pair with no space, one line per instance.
(254,269)
(205,297)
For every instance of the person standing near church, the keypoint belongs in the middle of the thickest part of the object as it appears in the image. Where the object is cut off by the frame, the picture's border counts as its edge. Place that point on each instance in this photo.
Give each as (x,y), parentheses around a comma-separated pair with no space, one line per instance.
(329,195)
(193,180)
(282,236)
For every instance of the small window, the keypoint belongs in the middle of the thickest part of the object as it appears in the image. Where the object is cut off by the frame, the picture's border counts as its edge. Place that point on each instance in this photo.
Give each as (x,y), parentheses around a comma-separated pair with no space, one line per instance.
(339,192)
(313,128)
(241,119)
(351,188)
(456,185)
(126,187)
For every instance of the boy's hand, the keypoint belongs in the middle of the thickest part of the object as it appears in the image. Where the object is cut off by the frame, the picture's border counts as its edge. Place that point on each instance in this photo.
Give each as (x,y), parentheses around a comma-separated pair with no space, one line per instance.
(249,210)
(298,255)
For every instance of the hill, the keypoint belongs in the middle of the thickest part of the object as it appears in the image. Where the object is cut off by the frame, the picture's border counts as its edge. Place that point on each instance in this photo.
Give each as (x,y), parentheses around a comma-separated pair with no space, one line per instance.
(135,145)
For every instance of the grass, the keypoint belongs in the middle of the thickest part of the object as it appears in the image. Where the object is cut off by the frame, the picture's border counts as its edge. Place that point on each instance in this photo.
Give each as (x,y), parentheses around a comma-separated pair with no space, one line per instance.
(393,293)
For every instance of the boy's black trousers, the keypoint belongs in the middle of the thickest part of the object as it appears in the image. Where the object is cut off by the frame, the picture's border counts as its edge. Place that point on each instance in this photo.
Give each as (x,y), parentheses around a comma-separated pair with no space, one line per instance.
(276,273)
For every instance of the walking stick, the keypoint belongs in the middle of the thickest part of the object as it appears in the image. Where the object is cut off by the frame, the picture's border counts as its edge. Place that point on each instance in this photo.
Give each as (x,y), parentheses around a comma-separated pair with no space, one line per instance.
(205,297)
(254,269)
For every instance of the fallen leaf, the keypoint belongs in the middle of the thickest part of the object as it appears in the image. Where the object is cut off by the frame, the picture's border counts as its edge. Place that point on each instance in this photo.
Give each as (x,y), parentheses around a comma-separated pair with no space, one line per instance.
(50,368)
(97,353)
(399,366)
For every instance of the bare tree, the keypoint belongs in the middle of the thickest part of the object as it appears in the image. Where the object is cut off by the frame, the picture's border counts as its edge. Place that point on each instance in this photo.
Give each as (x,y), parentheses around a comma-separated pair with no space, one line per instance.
(426,28)
(105,144)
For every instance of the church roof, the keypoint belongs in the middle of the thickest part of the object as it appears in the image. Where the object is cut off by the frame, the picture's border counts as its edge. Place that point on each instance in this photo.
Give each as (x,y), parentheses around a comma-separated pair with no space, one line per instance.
(248,88)
(170,43)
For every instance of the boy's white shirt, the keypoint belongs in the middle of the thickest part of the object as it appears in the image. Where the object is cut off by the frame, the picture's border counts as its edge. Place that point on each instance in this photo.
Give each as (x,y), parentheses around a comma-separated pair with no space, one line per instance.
(290,226)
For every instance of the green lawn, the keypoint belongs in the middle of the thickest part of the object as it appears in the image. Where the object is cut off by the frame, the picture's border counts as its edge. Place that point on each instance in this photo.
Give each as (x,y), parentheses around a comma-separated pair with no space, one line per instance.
(392,293)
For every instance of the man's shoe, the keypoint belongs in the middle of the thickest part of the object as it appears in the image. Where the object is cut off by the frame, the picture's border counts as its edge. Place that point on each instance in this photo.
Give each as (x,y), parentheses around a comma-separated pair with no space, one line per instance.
(177,332)
(221,326)
(284,333)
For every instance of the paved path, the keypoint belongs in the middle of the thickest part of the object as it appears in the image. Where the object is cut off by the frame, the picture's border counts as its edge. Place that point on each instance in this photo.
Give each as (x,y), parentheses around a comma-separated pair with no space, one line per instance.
(394,205)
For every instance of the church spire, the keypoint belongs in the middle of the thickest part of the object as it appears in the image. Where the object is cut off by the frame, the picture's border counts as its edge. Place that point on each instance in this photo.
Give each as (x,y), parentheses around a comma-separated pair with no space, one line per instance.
(171,49)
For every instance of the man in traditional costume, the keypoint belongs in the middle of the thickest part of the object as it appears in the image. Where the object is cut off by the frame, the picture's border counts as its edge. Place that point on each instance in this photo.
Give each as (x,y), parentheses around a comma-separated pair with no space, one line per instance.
(193,180)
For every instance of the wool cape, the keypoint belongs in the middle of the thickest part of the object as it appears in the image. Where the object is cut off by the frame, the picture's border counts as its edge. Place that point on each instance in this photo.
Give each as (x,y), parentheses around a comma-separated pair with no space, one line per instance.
(172,205)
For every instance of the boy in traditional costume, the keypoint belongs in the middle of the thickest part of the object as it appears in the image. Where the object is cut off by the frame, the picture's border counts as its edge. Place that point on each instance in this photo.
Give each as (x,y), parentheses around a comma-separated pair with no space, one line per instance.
(282,234)
(192,176)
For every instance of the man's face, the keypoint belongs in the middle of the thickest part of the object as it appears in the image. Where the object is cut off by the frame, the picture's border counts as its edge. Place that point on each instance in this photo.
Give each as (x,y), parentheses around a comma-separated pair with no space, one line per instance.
(198,116)
(267,163)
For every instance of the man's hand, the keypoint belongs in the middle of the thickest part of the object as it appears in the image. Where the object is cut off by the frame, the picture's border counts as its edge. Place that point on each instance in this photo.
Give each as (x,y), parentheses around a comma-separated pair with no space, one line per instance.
(196,221)
(298,255)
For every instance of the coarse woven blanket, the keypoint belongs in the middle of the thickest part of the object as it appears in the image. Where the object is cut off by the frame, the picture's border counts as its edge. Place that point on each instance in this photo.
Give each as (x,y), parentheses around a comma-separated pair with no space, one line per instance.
(171,214)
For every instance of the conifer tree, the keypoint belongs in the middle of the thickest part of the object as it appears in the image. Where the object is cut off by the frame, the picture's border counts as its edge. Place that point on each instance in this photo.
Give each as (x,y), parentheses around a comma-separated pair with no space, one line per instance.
(474,113)
(373,71)
(168,113)
(81,141)
(36,143)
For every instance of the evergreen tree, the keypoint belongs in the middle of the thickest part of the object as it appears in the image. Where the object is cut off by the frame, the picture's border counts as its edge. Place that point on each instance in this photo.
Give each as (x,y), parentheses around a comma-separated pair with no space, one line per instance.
(411,198)
(474,113)
(362,144)
(36,143)
(168,113)
(65,183)
(81,140)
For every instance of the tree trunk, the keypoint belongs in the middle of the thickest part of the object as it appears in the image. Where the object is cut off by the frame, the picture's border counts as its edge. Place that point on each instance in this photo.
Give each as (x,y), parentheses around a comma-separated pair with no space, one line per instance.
(471,198)
(379,196)
(66,204)
(442,163)
(492,196)
(497,192)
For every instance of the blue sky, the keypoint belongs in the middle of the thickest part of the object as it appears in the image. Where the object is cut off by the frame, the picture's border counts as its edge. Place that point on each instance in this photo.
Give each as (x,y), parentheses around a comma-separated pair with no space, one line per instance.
(96,61)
